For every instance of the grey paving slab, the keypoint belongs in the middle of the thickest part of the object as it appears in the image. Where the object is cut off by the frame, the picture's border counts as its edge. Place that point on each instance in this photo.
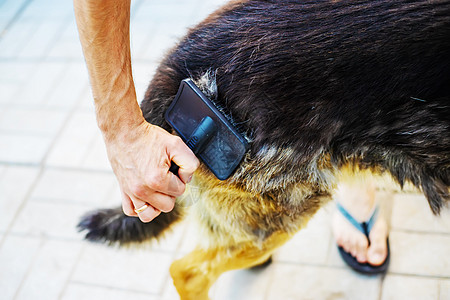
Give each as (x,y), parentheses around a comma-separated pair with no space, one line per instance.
(16,37)
(310,245)
(53,219)
(74,186)
(48,9)
(420,254)
(50,270)
(40,84)
(307,282)
(15,184)
(77,291)
(39,43)
(412,212)
(67,44)
(8,11)
(142,74)
(407,287)
(16,258)
(444,289)
(139,270)
(244,284)
(40,121)
(96,157)
(68,90)
(23,149)
(75,141)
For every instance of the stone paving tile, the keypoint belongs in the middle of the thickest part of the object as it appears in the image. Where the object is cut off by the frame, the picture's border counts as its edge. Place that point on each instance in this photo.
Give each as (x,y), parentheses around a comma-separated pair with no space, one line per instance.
(15,183)
(420,254)
(16,256)
(444,290)
(50,270)
(310,245)
(67,45)
(13,77)
(244,284)
(39,43)
(48,9)
(88,188)
(32,121)
(404,287)
(77,291)
(96,157)
(307,282)
(139,270)
(74,143)
(40,84)
(71,86)
(49,219)
(23,149)
(14,39)
(412,212)
(8,10)
(142,74)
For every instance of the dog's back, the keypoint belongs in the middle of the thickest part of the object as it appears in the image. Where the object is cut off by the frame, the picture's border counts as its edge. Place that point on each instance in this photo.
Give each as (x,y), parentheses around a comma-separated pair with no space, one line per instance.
(365,83)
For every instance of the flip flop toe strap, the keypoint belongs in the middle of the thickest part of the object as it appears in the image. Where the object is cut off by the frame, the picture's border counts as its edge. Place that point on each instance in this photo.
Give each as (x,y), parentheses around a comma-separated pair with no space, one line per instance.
(364,227)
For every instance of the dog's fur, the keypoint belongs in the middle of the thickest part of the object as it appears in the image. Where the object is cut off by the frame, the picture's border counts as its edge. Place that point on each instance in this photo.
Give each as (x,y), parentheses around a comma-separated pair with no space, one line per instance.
(318,87)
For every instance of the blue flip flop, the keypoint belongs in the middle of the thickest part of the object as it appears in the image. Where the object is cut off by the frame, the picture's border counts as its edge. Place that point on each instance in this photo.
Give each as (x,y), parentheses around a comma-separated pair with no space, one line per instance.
(364,227)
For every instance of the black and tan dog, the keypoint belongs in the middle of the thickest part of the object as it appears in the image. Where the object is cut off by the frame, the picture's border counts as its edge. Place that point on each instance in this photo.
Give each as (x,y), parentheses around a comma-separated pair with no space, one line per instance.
(318,87)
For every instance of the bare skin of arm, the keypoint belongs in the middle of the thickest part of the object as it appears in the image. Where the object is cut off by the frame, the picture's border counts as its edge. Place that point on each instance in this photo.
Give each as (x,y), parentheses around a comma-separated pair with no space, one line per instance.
(140,153)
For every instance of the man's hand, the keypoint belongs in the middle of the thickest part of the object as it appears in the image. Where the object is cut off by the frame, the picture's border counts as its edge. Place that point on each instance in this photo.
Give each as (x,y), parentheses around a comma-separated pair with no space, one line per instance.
(141,159)
(140,153)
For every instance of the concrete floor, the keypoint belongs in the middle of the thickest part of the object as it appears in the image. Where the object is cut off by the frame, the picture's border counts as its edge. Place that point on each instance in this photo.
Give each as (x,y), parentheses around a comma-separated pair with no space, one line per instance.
(53,168)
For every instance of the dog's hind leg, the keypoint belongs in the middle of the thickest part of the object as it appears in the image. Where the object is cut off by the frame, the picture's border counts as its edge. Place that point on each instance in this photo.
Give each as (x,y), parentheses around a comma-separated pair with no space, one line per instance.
(194,274)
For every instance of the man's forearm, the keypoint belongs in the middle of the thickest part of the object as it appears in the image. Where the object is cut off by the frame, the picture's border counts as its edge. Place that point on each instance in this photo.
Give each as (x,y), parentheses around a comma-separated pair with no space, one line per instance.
(104,33)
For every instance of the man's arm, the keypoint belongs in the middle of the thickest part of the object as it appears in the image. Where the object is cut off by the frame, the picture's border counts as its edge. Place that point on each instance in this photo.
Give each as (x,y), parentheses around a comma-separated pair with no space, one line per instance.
(140,153)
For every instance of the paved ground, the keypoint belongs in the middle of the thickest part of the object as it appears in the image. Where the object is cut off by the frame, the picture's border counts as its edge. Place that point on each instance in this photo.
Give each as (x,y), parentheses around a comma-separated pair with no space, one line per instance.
(53,168)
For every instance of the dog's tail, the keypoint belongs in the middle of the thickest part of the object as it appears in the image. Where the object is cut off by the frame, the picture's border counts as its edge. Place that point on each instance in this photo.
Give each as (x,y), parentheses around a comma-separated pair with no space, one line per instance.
(112,226)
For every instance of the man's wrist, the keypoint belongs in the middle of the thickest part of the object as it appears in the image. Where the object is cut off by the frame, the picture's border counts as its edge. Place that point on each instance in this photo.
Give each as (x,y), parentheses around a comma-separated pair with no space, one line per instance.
(119,118)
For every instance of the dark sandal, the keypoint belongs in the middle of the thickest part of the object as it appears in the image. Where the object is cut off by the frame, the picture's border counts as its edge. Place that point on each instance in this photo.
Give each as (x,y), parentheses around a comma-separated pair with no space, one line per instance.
(364,227)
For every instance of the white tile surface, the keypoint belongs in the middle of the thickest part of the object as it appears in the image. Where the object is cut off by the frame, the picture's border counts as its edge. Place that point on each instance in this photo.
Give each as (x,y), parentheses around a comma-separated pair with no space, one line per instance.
(32,121)
(74,143)
(77,291)
(15,184)
(412,212)
(50,270)
(49,219)
(16,258)
(135,270)
(40,83)
(23,149)
(420,254)
(304,282)
(403,287)
(89,188)
(39,43)
(309,245)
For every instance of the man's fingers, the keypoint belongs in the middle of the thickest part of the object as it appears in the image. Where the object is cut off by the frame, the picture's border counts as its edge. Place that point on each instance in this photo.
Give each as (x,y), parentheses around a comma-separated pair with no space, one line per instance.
(127,206)
(181,155)
(145,211)
(159,201)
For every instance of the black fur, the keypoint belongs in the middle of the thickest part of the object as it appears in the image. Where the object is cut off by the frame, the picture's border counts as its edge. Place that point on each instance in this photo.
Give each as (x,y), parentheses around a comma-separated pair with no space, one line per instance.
(111,226)
(367,82)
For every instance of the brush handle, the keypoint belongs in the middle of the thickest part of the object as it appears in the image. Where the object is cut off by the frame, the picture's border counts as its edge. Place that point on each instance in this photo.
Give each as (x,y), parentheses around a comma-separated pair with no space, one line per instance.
(174,168)
(198,140)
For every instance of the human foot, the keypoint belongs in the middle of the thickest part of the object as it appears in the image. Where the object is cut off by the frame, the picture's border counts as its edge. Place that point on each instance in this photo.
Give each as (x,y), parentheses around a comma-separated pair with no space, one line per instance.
(365,254)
